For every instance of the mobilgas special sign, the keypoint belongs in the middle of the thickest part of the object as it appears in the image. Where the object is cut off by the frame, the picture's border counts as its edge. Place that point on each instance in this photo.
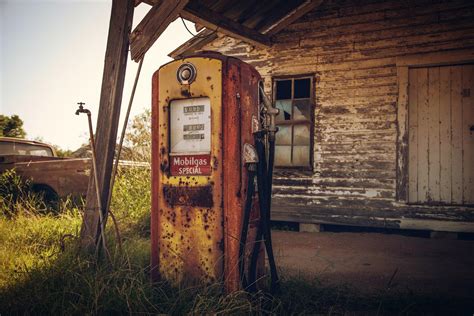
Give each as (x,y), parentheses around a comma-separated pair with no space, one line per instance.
(186,165)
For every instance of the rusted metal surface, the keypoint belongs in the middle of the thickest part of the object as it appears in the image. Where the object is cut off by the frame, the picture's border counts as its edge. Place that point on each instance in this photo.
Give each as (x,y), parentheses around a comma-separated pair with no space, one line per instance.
(196,219)
(64,176)
(188,196)
(188,231)
(61,175)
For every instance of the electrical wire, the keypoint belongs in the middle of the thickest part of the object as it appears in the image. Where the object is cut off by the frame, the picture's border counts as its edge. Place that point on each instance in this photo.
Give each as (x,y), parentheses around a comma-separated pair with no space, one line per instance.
(196,35)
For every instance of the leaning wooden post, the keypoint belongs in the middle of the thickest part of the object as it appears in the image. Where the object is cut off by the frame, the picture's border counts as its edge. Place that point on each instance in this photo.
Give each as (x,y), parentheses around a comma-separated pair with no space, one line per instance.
(109,113)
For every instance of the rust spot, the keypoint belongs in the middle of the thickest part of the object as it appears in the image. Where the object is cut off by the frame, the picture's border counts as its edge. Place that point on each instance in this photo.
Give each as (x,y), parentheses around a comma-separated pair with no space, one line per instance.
(162,150)
(185,91)
(208,78)
(188,196)
(164,166)
(206,227)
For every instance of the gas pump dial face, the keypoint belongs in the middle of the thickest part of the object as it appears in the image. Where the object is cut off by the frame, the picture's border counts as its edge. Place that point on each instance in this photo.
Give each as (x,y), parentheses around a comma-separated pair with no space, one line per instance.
(190,136)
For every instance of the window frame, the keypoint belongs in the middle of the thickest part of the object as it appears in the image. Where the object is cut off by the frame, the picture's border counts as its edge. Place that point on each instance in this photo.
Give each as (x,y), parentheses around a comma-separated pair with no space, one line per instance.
(311,121)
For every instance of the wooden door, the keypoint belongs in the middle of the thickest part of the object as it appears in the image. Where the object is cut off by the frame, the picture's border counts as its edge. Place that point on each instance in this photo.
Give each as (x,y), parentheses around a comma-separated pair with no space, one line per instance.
(441,144)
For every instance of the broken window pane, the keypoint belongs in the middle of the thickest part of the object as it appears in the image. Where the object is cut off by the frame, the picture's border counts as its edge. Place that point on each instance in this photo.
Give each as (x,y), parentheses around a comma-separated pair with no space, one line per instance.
(293,141)
(302,135)
(302,88)
(285,110)
(283,137)
(283,89)
(302,110)
(283,155)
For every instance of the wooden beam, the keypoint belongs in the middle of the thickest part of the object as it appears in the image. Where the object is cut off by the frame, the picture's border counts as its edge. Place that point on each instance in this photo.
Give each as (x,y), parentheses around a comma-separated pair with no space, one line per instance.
(198,27)
(153,25)
(150,2)
(109,112)
(214,21)
(193,44)
(292,16)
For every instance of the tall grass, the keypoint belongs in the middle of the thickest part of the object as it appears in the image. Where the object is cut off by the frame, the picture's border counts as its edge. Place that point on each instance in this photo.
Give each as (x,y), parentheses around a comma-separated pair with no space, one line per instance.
(43,271)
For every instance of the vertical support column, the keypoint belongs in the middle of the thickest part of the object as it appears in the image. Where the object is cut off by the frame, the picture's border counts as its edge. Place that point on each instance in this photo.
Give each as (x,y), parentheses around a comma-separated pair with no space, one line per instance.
(109,113)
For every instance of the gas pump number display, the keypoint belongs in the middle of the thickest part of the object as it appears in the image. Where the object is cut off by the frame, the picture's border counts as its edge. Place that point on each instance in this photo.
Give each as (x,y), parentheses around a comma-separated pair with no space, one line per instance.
(190,137)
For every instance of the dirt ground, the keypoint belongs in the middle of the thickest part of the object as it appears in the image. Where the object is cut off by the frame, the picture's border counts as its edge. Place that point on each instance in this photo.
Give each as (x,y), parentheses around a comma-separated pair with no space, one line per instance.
(367,261)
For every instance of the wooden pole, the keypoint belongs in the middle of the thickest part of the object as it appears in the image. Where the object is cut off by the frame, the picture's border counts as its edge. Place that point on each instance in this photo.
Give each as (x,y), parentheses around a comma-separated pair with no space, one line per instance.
(109,113)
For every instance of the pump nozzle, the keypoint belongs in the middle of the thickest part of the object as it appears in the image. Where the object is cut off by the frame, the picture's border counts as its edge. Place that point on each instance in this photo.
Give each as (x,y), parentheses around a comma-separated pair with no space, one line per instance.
(270,111)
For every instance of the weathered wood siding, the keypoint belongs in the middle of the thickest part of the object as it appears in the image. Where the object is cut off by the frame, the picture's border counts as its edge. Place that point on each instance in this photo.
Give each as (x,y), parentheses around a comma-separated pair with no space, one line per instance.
(352,46)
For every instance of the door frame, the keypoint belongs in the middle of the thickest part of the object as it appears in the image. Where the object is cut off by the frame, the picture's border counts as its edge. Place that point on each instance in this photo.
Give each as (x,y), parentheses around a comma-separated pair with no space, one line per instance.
(403,64)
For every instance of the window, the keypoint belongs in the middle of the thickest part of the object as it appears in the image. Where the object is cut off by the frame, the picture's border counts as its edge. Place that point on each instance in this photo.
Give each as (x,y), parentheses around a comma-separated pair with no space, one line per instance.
(293,97)
(14,148)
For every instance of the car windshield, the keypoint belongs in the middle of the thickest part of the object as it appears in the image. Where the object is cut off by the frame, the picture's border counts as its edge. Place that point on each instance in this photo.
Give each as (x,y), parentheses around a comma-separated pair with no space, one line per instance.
(14,148)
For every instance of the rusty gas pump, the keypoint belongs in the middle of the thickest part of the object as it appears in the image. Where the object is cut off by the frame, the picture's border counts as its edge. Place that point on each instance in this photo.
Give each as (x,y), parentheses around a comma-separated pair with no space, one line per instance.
(212,135)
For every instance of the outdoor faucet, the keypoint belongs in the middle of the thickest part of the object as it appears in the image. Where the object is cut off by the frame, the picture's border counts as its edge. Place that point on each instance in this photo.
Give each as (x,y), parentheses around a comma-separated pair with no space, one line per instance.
(82,110)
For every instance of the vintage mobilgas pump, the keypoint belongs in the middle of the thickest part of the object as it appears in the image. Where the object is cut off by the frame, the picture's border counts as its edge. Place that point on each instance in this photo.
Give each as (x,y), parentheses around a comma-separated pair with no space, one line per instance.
(209,130)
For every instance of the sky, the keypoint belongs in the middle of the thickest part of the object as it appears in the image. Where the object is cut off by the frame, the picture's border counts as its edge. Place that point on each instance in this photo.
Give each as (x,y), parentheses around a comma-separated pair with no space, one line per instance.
(52,56)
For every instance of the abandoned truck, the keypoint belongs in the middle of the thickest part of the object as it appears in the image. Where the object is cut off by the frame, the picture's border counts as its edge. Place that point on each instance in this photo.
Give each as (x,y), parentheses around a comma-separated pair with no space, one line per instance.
(55,177)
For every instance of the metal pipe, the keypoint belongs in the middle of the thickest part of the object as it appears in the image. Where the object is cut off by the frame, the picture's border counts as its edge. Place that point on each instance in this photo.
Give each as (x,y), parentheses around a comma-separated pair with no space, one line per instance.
(96,179)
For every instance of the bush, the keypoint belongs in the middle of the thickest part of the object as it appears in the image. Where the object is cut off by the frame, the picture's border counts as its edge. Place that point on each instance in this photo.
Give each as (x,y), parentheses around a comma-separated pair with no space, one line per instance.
(16,195)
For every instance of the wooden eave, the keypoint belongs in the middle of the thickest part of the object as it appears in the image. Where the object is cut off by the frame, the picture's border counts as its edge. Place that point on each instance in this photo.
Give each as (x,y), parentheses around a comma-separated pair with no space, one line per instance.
(249,21)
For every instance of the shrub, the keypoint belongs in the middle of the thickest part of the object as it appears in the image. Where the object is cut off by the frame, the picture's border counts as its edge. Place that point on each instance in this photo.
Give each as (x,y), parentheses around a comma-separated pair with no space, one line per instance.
(16,195)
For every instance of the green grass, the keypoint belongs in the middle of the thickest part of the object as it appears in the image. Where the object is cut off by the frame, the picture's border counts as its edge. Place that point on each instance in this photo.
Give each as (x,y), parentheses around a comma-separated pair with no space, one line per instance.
(42,271)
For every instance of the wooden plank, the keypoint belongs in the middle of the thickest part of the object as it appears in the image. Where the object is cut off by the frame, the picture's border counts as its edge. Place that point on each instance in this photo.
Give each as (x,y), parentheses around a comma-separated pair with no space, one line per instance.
(211,20)
(291,17)
(413,136)
(153,25)
(195,43)
(468,136)
(150,2)
(395,218)
(109,113)
(456,135)
(198,27)
(423,137)
(433,134)
(445,134)
(402,140)
(436,58)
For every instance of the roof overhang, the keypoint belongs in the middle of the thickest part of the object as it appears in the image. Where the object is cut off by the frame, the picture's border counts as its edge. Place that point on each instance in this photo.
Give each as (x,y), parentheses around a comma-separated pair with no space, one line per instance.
(249,21)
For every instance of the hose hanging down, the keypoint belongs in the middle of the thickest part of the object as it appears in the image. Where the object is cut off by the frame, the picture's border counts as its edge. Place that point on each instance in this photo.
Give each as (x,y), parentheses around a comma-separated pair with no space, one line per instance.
(264,135)
(250,158)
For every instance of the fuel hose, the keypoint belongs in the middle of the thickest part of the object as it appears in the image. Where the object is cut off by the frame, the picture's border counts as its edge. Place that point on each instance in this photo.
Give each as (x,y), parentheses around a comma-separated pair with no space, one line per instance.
(264,183)
(261,170)
(246,222)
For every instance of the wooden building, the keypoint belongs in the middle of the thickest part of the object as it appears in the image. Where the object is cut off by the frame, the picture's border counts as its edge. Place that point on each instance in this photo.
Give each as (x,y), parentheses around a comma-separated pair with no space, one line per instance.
(376,98)
(377,110)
